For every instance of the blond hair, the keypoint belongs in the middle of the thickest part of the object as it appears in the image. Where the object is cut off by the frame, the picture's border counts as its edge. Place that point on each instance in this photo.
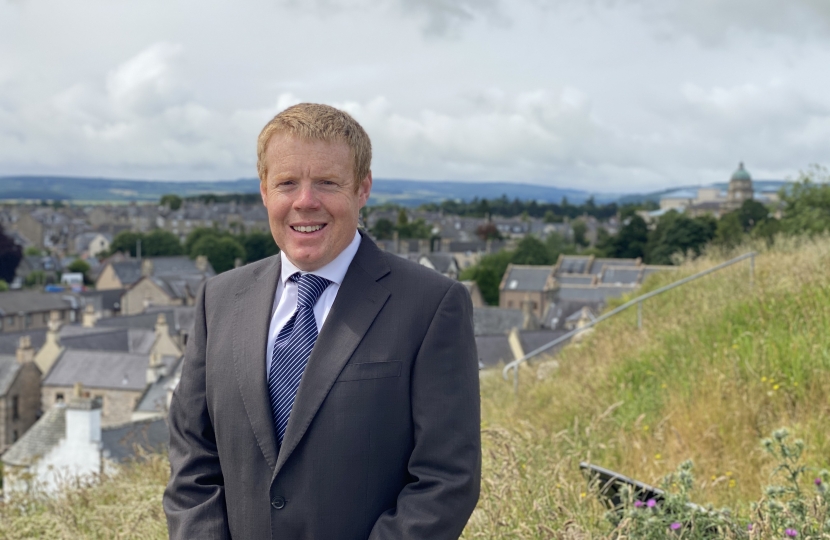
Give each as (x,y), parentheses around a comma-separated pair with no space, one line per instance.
(317,122)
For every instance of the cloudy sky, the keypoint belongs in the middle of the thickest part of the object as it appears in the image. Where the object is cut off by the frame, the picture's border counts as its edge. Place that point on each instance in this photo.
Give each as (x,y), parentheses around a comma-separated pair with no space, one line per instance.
(605,95)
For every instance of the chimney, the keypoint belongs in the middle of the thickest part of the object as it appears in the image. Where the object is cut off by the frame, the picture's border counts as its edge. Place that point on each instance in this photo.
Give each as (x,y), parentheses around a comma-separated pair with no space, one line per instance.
(146,268)
(530,322)
(25,352)
(445,244)
(201,263)
(155,370)
(423,246)
(83,419)
(90,317)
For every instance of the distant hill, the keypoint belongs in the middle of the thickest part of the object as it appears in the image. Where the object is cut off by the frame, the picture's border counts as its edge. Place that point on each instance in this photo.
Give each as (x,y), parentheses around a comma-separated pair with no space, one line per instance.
(404,192)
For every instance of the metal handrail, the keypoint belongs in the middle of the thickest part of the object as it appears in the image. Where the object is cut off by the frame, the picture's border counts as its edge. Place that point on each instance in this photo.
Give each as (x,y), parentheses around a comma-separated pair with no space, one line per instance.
(514,365)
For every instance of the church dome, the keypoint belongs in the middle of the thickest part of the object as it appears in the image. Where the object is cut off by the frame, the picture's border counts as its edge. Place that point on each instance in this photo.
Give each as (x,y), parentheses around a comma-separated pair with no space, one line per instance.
(741,174)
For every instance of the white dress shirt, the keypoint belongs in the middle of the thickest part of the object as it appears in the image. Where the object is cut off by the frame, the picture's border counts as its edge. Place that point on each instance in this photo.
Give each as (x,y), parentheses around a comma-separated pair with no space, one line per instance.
(285,299)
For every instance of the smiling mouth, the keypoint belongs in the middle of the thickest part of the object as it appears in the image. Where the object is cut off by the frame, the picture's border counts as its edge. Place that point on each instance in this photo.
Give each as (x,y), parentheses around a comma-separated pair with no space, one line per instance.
(307,228)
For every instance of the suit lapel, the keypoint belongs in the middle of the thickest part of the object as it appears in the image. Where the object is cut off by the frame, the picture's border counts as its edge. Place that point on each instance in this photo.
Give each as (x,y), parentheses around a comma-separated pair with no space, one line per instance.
(252,315)
(358,302)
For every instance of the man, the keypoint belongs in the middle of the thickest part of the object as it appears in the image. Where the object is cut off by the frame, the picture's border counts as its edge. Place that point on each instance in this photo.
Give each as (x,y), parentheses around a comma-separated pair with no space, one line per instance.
(329,392)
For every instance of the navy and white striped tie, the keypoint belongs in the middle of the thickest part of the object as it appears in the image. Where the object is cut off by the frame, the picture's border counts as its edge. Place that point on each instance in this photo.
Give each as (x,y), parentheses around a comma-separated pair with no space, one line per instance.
(292,349)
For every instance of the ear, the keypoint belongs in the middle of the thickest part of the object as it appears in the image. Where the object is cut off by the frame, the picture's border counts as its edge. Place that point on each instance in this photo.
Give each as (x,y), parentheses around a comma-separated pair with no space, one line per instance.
(364,190)
(263,190)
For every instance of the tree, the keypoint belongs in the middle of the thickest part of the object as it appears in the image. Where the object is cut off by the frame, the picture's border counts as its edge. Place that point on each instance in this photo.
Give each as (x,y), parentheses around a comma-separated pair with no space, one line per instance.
(82,267)
(126,242)
(36,278)
(631,241)
(551,217)
(557,245)
(730,231)
(415,229)
(4,286)
(807,204)
(161,243)
(383,229)
(10,256)
(580,229)
(751,213)
(222,252)
(488,231)
(196,235)
(32,251)
(488,273)
(172,201)
(677,233)
(531,250)
(258,245)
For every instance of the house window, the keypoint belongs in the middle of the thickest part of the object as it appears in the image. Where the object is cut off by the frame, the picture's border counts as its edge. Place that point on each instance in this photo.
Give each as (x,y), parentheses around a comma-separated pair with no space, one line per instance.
(72,316)
(10,320)
(15,408)
(45,318)
(28,320)
(14,436)
(58,398)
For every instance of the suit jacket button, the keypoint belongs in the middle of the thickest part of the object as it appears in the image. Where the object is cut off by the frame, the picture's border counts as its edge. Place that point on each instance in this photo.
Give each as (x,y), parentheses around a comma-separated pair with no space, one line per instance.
(278,503)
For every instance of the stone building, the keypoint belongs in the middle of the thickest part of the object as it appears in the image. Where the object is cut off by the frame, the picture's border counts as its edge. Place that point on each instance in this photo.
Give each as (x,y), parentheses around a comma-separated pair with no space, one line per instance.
(19,393)
(740,189)
(26,310)
(123,274)
(527,283)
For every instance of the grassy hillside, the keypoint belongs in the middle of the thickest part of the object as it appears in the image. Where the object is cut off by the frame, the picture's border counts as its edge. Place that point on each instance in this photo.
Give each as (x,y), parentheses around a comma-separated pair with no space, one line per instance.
(717,367)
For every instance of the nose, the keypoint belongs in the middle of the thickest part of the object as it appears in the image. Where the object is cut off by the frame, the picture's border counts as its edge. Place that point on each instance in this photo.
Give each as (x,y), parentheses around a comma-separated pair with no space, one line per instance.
(306,198)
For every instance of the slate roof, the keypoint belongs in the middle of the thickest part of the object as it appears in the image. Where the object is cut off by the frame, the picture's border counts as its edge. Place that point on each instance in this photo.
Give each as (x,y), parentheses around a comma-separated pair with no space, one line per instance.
(133,340)
(620,275)
(12,302)
(9,340)
(155,398)
(533,339)
(527,278)
(493,350)
(118,442)
(558,312)
(40,438)
(575,279)
(179,319)
(592,294)
(440,261)
(104,300)
(8,371)
(101,369)
(493,320)
(121,442)
(128,272)
(573,264)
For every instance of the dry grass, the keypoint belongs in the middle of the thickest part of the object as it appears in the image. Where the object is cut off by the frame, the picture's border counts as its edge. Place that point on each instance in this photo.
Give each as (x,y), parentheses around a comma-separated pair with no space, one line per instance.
(718,366)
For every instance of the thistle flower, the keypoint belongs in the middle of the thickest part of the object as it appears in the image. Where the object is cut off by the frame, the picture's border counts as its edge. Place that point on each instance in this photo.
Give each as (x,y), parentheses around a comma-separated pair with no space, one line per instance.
(674,526)
(638,504)
(792,533)
(651,503)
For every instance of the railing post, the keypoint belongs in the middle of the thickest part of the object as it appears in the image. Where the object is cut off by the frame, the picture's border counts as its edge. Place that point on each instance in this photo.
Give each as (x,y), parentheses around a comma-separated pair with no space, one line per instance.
(752,271)
(516,381)
(640,315)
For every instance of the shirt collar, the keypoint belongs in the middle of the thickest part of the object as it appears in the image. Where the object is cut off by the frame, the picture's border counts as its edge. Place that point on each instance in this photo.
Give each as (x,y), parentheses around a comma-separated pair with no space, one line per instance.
(334,271)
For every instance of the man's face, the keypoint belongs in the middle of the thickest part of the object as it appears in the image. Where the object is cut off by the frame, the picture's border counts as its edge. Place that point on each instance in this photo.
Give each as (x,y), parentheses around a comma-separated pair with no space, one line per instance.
(310,197)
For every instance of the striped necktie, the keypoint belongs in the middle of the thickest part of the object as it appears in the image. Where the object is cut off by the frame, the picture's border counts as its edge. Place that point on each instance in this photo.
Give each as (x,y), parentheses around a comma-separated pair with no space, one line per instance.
(292,349)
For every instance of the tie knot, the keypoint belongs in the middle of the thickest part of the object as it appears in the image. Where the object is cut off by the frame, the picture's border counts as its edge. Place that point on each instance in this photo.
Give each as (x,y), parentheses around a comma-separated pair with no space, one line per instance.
(310,287)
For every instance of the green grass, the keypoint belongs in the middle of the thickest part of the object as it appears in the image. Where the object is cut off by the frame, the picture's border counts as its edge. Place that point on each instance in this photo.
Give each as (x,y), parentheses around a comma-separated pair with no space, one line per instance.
(718,366)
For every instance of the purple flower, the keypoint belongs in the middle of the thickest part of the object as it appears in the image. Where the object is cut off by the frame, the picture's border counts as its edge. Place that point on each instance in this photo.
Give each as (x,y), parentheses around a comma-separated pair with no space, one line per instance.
(651,503)
(817,481)
(749,527)
(638,504)
(792,533)
(674,526)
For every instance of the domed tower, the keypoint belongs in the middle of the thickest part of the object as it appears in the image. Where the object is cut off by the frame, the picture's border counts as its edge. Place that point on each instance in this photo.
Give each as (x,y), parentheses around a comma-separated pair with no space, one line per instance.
(740,188)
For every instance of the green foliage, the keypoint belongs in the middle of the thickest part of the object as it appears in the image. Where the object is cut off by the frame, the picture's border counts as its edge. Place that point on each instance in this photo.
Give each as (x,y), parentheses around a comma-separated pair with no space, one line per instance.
(33,251)
(172,201)
(412,229)
(199,233)
(37,278)
(580,229)
(488,273)
(82,267)
(10,256)
(126,242)
(221,251)
(383,229)
(258,245)
(630,242)
(531,250)
(730,231)
(4,286)
(807,204)
(551,212)
(488,231)
(677,234)
(160,243)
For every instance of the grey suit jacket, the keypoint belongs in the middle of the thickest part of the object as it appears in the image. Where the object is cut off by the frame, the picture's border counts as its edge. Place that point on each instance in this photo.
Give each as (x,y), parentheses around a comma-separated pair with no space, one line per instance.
(383,441)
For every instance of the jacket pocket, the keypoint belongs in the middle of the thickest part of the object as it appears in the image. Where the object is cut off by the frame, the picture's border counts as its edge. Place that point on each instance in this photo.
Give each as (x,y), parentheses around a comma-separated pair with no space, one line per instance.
(370,370)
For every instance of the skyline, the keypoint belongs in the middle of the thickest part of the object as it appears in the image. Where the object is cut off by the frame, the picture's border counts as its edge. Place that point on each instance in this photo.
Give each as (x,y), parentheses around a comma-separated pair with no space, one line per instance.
(626,96)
